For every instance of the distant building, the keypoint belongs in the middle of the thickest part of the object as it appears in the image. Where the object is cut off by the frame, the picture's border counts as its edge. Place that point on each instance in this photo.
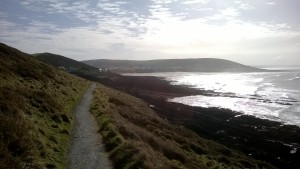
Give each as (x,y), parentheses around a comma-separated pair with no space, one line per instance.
(62,67)
(103,70)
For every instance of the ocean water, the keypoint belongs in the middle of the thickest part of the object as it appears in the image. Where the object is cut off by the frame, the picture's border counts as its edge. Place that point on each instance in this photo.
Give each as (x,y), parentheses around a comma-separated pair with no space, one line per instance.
(268,95)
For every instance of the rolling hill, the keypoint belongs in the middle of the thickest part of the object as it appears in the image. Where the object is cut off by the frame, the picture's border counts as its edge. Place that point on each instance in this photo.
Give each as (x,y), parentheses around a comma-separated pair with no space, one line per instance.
(77,68)
(171,65)
(65,63)
(36,106)
(36,120)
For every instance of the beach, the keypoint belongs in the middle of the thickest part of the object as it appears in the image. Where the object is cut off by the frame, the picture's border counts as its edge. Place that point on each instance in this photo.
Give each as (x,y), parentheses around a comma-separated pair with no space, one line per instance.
(262,139)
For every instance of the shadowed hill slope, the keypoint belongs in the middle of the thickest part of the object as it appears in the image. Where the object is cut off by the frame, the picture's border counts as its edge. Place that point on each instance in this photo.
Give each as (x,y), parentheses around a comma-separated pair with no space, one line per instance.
(35,111)
(75,67)
(171,65)
(66,63)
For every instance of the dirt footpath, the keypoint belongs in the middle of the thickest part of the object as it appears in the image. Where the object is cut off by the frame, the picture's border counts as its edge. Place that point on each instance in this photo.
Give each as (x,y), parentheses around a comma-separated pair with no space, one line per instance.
(86,151)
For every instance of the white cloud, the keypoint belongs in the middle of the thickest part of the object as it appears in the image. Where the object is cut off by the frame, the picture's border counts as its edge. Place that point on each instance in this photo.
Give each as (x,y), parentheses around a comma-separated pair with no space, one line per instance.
(231,12)
(271,3)
(196,37)
(164,1)
(245,6)
(79,9)
(166,28)
(114,7)
(6,25)
(195,2)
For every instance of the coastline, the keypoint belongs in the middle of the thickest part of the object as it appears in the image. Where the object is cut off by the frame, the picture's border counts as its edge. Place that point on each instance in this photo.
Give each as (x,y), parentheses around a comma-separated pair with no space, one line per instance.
(262,139)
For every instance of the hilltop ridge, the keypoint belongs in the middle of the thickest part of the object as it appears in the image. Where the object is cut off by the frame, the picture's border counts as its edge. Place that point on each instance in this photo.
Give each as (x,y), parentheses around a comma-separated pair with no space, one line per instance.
(75,67)
(63,62)
(171,65)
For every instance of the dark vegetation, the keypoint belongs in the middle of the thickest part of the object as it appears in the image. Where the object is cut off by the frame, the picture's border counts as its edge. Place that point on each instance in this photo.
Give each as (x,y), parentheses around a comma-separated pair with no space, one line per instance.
(65,63)
(36,119)
(35,111)
(171,65)
(260,139)
(137,137)
(75,67)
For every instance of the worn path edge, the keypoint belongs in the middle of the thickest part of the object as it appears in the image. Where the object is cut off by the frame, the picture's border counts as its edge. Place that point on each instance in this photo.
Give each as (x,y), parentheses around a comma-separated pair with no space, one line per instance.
(86,150)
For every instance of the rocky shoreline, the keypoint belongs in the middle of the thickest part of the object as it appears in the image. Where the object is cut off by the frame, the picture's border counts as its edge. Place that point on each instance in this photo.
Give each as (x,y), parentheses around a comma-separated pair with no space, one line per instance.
(262,139)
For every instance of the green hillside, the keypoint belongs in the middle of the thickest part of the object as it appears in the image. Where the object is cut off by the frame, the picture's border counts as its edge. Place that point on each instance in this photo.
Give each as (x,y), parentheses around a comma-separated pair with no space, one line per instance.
(35,111)
(77,68)
(62,62)
(171,65)
(36,120)
(137,137)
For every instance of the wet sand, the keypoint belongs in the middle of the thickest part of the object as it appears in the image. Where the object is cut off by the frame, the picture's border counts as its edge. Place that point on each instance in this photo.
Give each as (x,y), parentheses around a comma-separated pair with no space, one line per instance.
(262,139)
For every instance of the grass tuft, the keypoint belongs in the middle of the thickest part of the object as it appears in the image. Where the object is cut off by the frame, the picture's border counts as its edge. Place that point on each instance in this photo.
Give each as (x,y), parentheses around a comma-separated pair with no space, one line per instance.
(35,114)
(136,137)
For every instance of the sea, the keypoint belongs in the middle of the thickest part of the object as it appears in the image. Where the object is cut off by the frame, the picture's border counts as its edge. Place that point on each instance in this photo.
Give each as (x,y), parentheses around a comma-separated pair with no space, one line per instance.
(267,95)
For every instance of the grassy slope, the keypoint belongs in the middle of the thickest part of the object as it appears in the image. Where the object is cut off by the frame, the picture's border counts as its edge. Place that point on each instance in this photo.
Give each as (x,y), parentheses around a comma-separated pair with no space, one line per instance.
(136,137)
(189,65)
(35,111)
(58,60)
(80,69)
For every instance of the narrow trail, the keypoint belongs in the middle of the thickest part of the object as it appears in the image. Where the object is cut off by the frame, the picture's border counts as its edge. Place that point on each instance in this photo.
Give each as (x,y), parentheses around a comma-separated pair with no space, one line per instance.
(86,151)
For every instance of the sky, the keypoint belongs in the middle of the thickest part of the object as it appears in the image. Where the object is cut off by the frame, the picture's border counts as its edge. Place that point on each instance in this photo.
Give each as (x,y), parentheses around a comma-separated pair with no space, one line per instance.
(252,32)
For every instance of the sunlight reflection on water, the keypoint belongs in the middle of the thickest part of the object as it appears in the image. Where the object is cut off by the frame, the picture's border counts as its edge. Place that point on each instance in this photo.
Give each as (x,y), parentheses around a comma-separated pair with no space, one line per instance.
(246,106)
(268,95)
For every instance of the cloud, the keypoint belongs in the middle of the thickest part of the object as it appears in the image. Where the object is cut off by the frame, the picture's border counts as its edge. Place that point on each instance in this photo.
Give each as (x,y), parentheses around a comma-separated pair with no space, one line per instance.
(270,3)
(80,9)
(197,37)
(2,14)
(245,6)
(114,7)
(231,12)
(145,29)
(195,2)
(105,17)
(6,25)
